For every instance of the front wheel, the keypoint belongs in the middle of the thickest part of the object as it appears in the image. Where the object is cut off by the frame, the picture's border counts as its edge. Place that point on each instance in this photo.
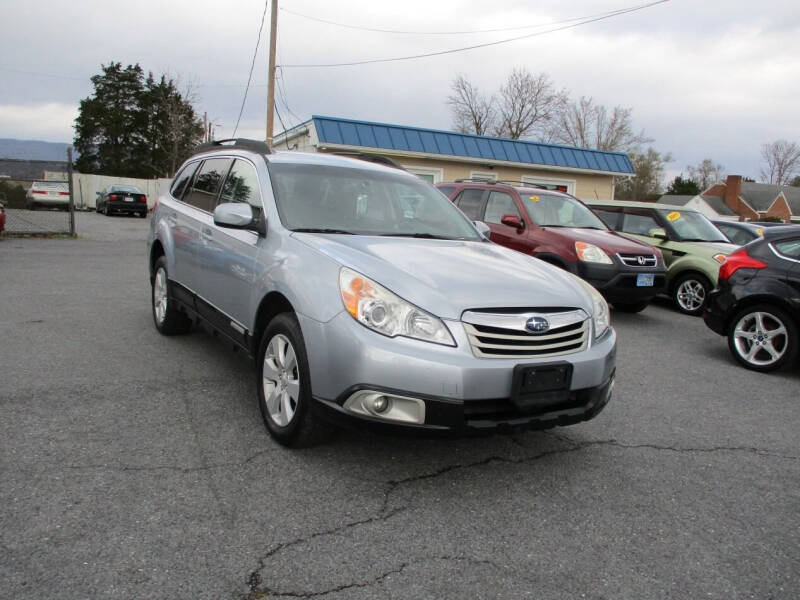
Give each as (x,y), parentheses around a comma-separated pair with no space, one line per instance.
(763,338)
(284,385)
(689,293)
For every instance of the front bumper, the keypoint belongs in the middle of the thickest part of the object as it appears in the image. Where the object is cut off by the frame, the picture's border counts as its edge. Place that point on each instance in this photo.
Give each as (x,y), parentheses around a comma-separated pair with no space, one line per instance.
(461,392)
(617,283)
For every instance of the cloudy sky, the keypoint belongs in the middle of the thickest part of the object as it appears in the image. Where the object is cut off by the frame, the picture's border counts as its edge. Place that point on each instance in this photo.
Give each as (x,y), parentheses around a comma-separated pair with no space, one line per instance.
(712,79)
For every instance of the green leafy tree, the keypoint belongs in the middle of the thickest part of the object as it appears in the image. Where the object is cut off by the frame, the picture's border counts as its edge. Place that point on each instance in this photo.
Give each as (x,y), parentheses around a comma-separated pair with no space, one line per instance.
(649,172)
(134,126)
(684,187)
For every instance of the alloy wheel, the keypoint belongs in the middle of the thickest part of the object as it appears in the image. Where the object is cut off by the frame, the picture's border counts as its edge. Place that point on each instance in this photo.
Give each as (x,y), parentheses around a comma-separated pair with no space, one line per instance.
(691,295)
(281,380)
(760,338)
(160,295)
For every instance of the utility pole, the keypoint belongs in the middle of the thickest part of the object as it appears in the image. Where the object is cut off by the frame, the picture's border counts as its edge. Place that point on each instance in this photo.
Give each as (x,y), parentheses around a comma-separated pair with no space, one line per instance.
(273,34)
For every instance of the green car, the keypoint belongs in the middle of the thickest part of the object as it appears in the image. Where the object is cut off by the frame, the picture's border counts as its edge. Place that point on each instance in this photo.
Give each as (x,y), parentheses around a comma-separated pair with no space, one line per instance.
(693,248)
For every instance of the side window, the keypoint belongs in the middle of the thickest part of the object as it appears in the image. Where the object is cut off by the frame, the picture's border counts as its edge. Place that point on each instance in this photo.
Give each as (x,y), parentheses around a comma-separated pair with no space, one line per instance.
(241,185)
(638,222)
(735,235)
(203,194)
(180,181)
(446,189)
(499,204)
(609,216)
(469,201)
(789,248)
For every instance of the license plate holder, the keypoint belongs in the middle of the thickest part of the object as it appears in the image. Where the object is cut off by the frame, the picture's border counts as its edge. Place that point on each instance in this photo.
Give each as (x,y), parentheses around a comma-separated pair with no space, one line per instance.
(128,198)
(645,280)
(535,387)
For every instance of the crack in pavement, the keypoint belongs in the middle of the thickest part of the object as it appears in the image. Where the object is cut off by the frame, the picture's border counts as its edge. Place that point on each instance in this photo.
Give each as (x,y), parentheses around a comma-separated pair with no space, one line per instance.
(254,580)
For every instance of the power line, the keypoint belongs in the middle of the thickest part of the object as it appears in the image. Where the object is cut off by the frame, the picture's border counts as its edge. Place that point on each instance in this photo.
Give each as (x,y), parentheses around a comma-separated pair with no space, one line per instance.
(253,64)
(282,90)
(403,32)
(487,44)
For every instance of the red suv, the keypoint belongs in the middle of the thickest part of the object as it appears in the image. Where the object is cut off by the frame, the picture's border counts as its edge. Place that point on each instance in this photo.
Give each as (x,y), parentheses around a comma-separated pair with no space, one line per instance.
(560,229)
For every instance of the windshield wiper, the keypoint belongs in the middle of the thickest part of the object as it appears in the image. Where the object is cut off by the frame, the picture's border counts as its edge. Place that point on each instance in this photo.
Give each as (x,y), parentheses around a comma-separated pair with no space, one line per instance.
(322,230)
(427,236)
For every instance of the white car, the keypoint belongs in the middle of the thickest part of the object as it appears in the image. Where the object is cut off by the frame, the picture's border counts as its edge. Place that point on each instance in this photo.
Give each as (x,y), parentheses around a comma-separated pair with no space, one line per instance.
(47,194)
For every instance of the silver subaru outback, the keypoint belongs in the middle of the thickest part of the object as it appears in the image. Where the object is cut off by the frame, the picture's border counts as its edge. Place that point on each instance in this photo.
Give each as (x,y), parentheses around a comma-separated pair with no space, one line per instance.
(366,297)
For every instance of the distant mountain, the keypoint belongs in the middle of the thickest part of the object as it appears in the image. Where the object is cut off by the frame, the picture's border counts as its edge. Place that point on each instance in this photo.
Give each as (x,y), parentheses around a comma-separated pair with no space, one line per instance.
(33,150)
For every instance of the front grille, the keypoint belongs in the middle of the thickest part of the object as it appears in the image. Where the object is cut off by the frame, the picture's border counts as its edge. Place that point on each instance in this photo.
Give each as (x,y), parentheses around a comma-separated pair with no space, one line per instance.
(639,260)
(494,335)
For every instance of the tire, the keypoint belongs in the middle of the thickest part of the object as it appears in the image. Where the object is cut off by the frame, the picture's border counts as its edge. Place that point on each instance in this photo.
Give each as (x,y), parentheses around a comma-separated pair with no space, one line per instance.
(106,211)
(284,386)
(32,206)
(632,307)
(763,338)
(167,318)
(689,293)
(143,215)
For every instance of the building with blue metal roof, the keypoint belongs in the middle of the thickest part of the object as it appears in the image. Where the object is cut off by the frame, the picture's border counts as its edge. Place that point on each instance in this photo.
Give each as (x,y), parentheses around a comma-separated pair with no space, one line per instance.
(439,156)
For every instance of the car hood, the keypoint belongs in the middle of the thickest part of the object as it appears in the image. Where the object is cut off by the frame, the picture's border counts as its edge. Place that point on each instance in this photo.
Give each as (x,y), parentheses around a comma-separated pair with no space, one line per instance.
(607,240)
(447,277)
(707,248)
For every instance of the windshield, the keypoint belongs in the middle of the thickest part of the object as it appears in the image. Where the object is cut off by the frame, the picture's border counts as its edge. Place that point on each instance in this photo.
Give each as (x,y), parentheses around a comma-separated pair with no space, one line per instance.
(691,227)
(125,188)
(331,199)
(549,210)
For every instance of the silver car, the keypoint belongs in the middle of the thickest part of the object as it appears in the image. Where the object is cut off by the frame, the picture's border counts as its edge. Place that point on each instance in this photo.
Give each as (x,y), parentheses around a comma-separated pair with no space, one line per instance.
(366,297)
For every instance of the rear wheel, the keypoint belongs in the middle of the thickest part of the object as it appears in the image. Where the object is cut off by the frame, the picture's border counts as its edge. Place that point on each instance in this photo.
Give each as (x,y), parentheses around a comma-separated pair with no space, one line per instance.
(284,386)
(763,338)
(689,293)
(630,307)
(168,319)
(106,210)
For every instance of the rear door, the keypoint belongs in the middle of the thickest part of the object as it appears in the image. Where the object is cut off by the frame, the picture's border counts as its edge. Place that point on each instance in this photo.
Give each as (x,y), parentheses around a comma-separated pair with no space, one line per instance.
(471,201)
(193,220)
(227,257)
(183,242)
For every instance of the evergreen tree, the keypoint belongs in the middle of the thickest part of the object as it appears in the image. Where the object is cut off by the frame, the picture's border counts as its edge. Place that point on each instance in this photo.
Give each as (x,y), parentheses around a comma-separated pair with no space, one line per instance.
(134,126)
(684,187)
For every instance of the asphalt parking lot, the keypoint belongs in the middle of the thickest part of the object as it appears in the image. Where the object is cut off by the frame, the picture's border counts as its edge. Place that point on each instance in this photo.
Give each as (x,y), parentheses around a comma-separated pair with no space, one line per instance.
(137,466)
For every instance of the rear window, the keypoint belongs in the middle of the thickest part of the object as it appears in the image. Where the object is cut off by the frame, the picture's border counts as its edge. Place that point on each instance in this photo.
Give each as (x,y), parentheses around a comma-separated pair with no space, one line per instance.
(50,186)
(789,248)
(180,181)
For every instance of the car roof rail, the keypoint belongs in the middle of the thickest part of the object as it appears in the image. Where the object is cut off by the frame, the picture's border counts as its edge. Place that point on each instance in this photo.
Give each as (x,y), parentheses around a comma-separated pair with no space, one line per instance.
(238,143)
(374,158)
(475,180)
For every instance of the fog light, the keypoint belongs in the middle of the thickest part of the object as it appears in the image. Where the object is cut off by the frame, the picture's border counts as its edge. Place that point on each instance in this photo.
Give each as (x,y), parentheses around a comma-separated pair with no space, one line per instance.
(380,404)
(385,406)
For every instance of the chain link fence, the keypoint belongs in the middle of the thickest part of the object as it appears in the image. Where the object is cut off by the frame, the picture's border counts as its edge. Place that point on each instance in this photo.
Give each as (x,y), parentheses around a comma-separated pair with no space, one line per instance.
(39,206)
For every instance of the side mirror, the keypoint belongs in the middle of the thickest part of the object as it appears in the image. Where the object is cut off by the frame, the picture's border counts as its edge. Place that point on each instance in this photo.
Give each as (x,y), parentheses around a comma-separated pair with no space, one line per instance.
(513,221)
(238,215)
(658,233)
(482,228)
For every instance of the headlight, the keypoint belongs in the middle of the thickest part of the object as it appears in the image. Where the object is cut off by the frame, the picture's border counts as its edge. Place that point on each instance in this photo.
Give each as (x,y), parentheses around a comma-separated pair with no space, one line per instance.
(591,253)
(375,307)
(600,314)
(720,258)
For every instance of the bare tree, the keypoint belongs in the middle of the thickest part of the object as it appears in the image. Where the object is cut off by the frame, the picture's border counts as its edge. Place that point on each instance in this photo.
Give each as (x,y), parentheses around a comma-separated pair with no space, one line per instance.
(585,124)
(783,161)
(646,183)
(706,173)
(527,105)
(472,111)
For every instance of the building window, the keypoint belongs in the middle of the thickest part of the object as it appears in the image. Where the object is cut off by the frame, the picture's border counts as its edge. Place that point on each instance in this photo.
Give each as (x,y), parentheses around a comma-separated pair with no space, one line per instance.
(483,175)
(429,174)
(560,185)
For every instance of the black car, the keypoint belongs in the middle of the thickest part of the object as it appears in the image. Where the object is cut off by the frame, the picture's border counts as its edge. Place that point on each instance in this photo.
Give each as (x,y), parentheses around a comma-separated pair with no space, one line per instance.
(121,199)
(757,302)
(739,232)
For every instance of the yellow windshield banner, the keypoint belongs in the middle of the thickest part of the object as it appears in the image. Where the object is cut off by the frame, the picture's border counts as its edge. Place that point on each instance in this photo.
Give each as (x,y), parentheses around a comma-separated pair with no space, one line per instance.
(534,198)
(673,216)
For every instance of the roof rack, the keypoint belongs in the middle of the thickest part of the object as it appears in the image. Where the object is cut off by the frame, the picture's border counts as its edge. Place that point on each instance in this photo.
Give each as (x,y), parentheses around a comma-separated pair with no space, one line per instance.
(239,143)
(374,158)
(475,180)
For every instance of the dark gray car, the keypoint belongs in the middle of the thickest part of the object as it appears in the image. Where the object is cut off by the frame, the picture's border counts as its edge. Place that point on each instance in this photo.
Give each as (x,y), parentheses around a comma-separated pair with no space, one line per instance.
(366,297)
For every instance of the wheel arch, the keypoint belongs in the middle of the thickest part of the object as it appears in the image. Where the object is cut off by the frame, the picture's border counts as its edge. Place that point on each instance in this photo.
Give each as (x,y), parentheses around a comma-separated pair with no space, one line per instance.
(156,251)
(689,271)
(271,305)
(762,300)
